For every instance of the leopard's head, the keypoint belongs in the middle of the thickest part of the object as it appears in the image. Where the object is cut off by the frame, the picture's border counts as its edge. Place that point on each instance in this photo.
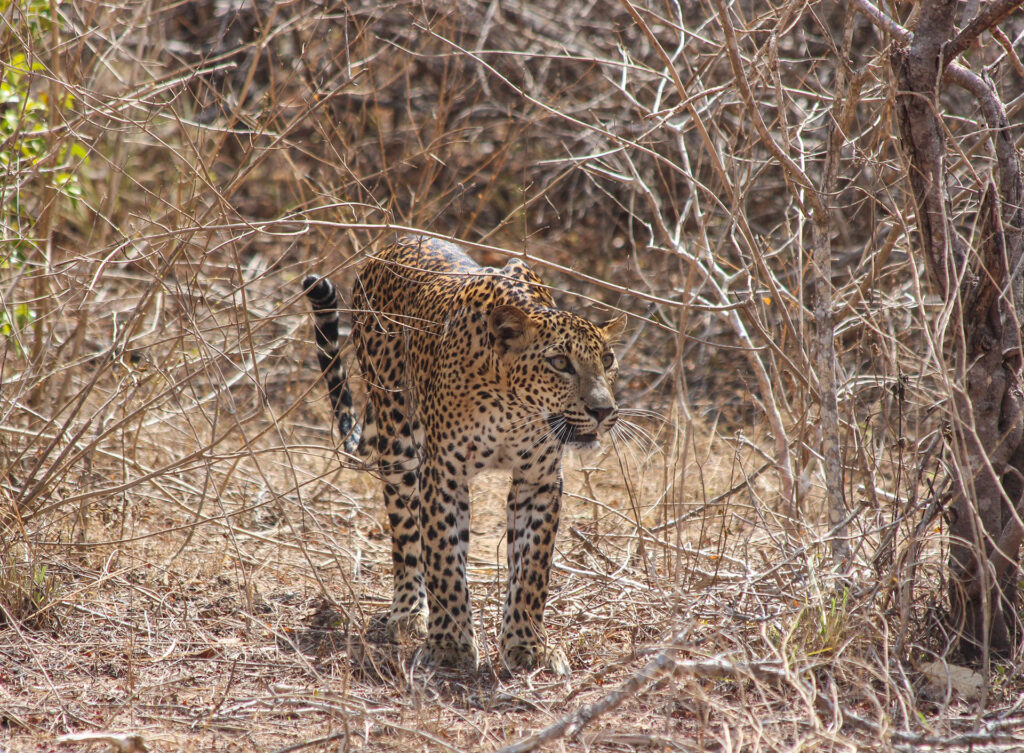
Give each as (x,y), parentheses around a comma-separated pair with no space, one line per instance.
(562,367)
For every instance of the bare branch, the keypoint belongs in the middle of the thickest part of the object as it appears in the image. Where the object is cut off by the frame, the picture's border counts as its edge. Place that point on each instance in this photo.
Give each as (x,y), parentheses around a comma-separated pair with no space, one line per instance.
(994,12)
(739,74)
(882,20)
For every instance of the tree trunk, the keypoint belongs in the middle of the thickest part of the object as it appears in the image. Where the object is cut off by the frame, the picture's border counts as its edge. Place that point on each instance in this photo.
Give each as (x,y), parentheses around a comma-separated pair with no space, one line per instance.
(983,288)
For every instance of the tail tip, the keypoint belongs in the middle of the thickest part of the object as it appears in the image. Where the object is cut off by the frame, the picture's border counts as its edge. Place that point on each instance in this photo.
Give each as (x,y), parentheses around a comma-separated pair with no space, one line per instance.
(309,283)
(351,431)
(319,290)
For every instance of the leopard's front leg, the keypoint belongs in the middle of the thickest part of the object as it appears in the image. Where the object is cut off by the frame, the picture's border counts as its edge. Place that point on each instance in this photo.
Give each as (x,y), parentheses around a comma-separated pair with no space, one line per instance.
(532,525)
(445,528)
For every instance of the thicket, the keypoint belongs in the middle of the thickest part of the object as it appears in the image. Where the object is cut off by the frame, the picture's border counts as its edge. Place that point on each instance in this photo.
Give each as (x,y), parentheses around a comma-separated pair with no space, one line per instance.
(808,209)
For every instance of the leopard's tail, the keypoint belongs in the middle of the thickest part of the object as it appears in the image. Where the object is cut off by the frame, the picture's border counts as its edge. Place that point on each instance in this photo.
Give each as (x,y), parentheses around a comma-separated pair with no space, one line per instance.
(324,298)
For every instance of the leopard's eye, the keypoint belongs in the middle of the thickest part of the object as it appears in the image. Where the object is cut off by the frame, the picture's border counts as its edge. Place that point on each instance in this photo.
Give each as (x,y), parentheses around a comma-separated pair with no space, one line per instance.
(561,363)
(608,360)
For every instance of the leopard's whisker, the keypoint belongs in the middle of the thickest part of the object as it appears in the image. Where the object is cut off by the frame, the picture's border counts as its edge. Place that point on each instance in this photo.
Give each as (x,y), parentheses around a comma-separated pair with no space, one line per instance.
(637,435)
(547,431)
(642,412)
(649,415)
(622,431)
(636,431)
(627,437)
(528,420)
(630,448)
(552,431)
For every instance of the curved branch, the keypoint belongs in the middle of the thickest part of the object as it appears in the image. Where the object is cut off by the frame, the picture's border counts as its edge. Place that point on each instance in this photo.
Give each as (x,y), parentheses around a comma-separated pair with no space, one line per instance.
(1009,179)
(995,118)
(993,14)
(882,21)
(952,72)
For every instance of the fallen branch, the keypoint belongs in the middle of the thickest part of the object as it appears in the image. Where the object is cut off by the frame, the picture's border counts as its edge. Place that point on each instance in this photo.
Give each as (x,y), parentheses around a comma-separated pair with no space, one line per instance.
(664,663)
(570,725)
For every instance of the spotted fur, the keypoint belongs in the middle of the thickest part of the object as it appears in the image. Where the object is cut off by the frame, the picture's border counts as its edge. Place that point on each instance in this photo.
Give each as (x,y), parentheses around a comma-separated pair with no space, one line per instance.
(468,368)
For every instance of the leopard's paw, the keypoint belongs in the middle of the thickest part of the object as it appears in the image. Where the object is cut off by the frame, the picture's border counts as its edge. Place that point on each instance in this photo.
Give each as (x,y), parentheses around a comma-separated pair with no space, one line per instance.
(450,653)
(533,655)
(405,626)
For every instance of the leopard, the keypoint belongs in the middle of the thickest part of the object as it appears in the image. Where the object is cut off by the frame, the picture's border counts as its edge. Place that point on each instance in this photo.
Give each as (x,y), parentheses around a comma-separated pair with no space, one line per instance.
(467,368)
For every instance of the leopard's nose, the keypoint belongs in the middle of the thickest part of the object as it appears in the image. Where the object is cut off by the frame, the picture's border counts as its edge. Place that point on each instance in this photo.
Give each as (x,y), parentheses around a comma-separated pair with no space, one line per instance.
(599,414)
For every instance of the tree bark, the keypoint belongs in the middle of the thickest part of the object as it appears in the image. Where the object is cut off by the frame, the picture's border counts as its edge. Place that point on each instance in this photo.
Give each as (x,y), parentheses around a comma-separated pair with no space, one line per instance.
(983,288)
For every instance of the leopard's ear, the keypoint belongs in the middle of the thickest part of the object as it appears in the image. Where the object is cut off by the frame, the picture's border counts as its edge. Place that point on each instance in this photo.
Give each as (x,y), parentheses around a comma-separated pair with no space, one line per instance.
(511,328)
(613,329)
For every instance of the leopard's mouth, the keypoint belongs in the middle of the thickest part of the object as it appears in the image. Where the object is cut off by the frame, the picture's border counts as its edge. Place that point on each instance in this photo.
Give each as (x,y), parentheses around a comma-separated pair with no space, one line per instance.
(584,441)
(570,434)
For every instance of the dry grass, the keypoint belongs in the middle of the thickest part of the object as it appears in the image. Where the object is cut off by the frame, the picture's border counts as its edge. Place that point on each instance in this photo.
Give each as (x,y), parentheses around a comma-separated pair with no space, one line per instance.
(264,628)
(184,554)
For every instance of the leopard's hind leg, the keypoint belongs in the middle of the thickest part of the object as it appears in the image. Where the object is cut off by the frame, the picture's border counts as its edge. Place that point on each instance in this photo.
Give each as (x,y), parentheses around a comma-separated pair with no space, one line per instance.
(394,431)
